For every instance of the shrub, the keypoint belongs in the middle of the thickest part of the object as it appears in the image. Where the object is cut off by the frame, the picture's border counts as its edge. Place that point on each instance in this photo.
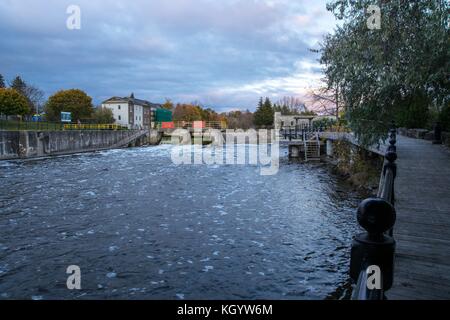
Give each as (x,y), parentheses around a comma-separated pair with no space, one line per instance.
(103,116)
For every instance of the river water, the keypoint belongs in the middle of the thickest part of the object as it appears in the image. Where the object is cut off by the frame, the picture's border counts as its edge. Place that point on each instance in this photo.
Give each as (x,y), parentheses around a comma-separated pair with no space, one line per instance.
(141,227)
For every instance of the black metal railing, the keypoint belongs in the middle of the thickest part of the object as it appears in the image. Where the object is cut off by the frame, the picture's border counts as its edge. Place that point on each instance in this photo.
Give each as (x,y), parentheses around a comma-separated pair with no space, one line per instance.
(298,132)
(372,253)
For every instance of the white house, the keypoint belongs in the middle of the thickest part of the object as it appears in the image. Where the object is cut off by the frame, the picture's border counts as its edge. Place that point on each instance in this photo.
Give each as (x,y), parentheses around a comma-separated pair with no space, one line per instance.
(131,112)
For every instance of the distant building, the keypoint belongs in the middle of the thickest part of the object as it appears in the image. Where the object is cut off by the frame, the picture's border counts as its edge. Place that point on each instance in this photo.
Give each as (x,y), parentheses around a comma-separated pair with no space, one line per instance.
(299,122)
(293,121)
(131,112)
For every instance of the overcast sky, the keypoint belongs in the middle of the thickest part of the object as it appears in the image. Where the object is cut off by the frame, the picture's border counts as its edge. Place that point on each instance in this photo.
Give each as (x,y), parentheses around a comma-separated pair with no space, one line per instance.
(222,53)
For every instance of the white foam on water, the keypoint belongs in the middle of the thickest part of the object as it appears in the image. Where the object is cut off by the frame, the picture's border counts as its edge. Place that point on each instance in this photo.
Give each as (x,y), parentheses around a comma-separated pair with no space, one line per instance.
(180,296)
(91,193)
(113,248)
(208,268)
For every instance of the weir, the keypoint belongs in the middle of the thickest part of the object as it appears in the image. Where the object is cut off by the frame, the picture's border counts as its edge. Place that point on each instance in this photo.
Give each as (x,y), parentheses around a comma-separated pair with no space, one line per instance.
(35,144)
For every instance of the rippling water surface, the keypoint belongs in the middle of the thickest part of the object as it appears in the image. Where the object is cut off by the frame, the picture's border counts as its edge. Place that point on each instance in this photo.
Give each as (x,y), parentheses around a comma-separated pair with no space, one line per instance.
(141,227)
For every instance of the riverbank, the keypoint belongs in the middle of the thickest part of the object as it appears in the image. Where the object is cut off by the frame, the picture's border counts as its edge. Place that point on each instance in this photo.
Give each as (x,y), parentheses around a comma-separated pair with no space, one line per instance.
(37,144)
(356,165)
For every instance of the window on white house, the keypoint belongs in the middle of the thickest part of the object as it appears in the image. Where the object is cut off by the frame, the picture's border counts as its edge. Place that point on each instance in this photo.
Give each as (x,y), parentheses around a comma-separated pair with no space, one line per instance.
(119,107)
(120,118)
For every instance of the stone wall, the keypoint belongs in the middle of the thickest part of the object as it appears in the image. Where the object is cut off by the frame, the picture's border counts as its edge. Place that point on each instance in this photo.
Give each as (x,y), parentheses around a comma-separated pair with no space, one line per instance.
(416,133)
(424,134)
(32,144)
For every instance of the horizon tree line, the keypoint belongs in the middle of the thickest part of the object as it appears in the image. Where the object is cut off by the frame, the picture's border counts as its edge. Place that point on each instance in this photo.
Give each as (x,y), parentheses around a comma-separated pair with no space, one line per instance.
(24,99)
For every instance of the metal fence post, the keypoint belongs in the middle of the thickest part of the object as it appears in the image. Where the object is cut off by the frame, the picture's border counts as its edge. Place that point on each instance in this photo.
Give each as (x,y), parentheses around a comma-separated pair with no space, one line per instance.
(437,133)
(374,247)
(391,157)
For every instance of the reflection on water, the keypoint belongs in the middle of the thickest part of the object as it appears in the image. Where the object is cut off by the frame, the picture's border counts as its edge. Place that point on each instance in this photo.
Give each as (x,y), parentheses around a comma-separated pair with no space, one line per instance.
(141,227)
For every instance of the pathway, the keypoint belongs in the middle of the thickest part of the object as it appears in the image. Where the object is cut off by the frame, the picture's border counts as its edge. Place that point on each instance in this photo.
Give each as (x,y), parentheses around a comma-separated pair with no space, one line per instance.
(422,230)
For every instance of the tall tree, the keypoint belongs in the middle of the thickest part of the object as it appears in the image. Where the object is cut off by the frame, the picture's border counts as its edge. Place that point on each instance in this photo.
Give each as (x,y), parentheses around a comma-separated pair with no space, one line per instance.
(378,71)
(75,101)
(18,84)
(103,116)
(12,103)
(260,102)
(238,119)
(168,104)
(327,101)
(264,114)
(34,95)
(290,106)
(2,81)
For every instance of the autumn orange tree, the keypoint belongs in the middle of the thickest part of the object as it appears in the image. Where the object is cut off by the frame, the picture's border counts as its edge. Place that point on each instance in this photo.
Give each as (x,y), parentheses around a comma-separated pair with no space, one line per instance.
(168,104)
(187,112)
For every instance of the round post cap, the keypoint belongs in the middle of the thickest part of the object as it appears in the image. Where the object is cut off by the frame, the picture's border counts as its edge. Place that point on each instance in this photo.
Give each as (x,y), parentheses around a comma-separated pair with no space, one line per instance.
(376,215)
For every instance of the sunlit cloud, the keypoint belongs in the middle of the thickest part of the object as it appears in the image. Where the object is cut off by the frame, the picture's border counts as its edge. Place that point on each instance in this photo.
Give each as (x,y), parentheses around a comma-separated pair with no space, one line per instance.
(224,54)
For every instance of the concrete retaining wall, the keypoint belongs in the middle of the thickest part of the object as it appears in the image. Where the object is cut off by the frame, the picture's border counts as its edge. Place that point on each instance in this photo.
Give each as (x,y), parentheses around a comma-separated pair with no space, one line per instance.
(32,144)
(349,137)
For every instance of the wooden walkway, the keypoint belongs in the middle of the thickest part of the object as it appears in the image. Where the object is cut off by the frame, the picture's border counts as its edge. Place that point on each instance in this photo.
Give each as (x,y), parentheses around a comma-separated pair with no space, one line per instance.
(422,230)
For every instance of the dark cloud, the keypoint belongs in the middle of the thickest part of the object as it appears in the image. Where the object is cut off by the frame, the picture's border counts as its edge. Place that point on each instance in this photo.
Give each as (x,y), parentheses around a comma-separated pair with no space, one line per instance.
(222,53)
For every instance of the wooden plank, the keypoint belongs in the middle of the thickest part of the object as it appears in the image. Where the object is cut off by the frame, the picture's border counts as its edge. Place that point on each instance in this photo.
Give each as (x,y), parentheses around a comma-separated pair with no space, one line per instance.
(422,230)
